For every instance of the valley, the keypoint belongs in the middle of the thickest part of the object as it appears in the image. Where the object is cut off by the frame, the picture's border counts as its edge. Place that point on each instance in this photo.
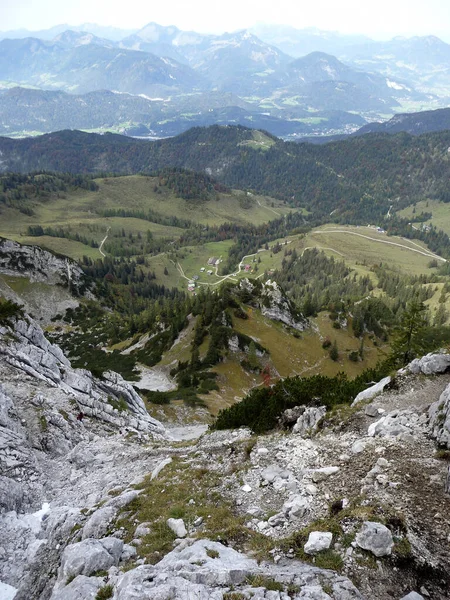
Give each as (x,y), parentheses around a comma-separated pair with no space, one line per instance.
(224,356)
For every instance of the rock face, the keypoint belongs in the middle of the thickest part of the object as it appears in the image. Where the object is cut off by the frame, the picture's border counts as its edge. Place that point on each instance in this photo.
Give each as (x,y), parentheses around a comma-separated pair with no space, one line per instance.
(40,265)
(375,538)
(273,303)
(276,306)
(25,348)
(439,414)
(307,423)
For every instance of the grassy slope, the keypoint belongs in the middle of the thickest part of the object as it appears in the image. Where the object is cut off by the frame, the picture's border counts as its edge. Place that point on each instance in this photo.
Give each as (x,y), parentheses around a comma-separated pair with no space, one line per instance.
(77,211)
(439,210)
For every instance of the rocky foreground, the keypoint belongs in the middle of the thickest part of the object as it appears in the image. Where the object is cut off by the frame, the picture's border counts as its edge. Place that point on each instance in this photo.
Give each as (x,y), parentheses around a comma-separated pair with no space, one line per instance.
(97,501)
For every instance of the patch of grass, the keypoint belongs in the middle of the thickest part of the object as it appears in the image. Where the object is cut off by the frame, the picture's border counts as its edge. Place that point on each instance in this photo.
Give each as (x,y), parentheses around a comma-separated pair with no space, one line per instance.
(443,455)
(402,547)
(329,559)
(248,446)
(119,404)
(43,423)
(105,592)
(212,553)
(234,596)
(100,573)
(327,588)
(168,496)
(76,528)
(70,578)
(366,560)
(264,581)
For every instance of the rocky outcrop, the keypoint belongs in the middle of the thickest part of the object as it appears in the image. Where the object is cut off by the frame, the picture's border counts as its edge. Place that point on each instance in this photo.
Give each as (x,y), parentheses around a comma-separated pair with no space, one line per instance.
(399,423)
(111,399)
(372,391)
(430,364)
(273,303)
(208,570)
(439,414)
(40,265)
(276,306)
(308,422)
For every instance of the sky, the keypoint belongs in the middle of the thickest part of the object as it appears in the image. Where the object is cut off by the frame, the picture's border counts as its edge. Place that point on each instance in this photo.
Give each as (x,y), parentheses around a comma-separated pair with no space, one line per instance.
(380,19)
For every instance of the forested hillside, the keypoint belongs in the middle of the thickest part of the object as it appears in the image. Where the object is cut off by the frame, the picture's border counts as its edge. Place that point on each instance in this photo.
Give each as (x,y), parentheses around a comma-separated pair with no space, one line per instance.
(357,179)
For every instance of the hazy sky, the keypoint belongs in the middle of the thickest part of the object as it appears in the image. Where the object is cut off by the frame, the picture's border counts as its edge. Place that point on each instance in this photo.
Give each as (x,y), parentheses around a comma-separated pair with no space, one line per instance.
(382,18)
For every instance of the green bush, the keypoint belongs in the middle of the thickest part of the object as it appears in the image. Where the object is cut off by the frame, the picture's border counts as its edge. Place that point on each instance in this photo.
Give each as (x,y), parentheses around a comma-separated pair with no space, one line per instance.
(261,408)
(9,310)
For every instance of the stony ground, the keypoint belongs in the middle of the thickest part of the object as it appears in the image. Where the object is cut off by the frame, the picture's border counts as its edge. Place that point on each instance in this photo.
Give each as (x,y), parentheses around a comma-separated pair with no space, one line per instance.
(108,491)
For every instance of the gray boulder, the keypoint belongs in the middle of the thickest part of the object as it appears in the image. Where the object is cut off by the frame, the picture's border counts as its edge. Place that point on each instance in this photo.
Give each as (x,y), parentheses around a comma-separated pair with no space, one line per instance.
(412,596)
(394,424)
(317,541)
(372,391)
(178,527)
(430,364)
(296,506)
(89,556)
(195,563)
(291,415)
(323,473)
(375,538)
(98,523)
(313,592)
(81,588)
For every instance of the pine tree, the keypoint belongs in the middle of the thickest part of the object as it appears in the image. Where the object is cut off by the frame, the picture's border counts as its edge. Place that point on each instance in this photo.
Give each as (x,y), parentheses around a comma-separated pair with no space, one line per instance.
(407,343)
(334,352)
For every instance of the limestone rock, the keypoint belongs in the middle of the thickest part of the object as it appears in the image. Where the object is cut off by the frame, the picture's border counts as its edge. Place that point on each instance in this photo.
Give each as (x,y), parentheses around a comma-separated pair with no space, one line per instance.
(307,423)
(27,349)
(317,541)
(439,414)
(89,556)
(228,568)
(372,391)
(375,538)
(291,415)
(412,596)
(323,473)
(430,364)
(276,306)
(178,527)
(98,523)
(81,588)
(371,411)
(40,265)
(394,424)
(296,506)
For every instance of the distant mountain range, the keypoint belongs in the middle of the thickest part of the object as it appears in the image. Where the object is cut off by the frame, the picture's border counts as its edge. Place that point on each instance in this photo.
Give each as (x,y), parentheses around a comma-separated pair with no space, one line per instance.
(341,83)
(30,110)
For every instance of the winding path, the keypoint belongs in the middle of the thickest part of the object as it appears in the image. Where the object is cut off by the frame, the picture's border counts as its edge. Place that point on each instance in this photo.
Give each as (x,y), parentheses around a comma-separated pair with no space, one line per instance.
(102,242)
